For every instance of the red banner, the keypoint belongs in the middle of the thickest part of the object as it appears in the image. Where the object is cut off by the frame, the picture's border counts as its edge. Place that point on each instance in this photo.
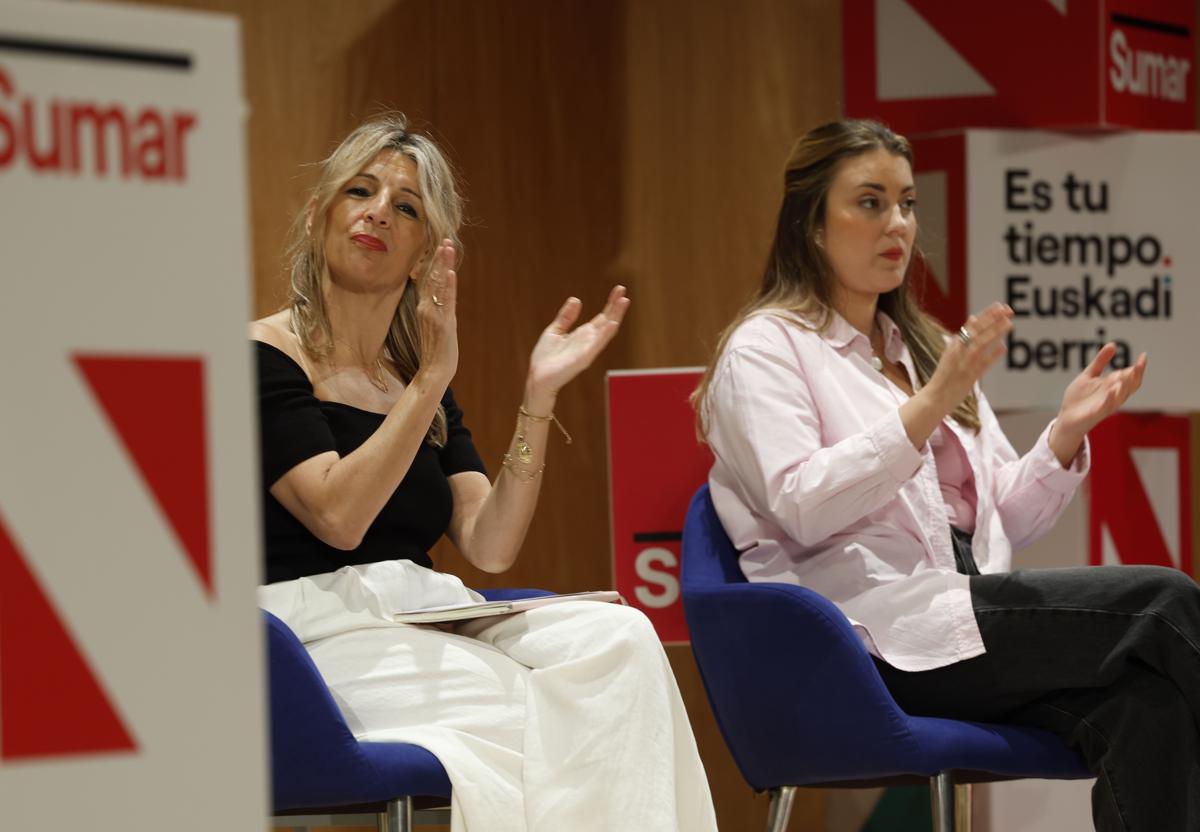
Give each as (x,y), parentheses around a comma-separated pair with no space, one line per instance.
(939,271)
(925,65)
(1140,500)
(656,463)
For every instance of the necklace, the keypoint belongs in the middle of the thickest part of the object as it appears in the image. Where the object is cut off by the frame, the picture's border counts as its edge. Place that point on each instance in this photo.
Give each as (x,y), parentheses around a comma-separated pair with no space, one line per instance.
(376,374)
(378,378)
(875,361)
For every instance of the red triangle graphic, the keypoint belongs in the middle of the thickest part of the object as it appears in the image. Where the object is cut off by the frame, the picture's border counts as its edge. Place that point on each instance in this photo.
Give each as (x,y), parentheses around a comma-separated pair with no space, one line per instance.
(156,407)
(50,701)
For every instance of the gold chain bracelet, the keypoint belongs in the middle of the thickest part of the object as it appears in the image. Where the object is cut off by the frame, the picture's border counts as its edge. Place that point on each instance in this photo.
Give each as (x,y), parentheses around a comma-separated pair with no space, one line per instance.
(522,473)
(551,418)
(524,453)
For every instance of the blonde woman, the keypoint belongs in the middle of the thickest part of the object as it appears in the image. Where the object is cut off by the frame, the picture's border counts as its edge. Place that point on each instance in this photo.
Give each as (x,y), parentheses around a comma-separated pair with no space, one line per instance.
(565,717)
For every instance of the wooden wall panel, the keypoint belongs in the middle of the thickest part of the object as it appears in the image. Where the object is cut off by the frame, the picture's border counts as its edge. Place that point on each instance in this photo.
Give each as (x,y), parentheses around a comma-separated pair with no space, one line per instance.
(716,94)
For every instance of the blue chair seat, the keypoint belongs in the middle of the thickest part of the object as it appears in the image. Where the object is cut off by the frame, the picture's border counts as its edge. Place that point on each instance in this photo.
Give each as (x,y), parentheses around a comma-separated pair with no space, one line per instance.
(318,767)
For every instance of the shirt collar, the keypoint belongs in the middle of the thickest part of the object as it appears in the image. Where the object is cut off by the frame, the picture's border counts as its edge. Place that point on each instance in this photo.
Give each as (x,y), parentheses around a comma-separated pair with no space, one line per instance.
(840,332)
(892,339)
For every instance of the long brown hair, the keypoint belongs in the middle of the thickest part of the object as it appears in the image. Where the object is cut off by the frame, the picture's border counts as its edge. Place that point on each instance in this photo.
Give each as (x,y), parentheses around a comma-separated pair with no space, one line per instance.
(799,281)
(309,269)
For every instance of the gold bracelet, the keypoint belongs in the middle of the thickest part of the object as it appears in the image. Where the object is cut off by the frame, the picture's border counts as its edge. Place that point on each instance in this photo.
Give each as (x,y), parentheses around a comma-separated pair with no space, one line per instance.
(524,451)
(551,418)
(522,473)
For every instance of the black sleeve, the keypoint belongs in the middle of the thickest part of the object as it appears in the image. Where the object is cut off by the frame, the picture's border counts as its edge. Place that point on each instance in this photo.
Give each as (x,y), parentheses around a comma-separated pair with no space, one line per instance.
(292,427)
(459,454)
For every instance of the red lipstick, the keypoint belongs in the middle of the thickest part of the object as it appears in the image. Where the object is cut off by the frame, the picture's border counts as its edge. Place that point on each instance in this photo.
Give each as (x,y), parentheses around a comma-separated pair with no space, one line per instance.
(369,242)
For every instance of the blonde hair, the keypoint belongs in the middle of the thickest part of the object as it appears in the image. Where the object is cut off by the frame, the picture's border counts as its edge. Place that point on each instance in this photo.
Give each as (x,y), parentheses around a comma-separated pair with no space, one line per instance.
(799,281)
(306,249)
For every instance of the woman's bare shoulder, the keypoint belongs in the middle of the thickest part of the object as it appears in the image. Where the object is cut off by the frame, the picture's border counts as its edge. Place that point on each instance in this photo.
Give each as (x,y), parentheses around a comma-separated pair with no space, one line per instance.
(276,330)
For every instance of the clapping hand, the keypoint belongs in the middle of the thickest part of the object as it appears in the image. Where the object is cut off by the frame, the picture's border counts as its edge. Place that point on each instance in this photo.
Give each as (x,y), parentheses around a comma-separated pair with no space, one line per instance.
(561,353)
(437,307)
(1092,397)
(969,354)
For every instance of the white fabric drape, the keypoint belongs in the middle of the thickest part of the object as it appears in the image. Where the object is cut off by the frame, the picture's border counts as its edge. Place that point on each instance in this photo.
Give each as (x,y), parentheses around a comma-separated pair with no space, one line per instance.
(565,717)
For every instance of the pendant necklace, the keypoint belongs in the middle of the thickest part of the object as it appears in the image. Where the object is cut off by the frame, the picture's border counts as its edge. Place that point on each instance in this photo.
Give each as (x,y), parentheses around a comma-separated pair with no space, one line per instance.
(377,374)
(379,377)
(875,361)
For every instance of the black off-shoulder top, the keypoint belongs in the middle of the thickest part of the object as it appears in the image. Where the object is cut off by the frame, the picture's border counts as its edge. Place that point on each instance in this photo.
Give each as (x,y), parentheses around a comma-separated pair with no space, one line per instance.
(295,425)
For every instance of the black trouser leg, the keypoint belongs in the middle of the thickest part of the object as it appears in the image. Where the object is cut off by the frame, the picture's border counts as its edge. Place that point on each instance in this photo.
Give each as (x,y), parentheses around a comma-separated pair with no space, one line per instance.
(1137,735)
(1110,642)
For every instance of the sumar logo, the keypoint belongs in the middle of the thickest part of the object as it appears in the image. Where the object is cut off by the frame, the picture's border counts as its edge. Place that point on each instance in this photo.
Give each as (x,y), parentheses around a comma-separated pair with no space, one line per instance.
(1145,73)
(91,138)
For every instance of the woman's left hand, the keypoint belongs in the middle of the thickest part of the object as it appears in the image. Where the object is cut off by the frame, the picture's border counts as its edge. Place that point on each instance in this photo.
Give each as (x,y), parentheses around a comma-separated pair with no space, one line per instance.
(561,353)
(1091,398)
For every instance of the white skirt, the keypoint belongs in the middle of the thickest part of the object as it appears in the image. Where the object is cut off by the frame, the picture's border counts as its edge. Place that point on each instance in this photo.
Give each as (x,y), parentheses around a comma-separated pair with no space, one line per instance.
(565,717)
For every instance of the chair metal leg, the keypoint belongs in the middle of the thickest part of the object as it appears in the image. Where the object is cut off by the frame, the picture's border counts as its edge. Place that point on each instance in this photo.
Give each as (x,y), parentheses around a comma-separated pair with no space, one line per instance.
(962,807)
(780,808)
(398,817)
(941,795)
(431,817)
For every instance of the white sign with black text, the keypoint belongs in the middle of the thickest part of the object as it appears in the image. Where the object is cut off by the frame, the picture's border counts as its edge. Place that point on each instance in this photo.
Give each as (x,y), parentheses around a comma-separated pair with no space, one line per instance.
(1090,239)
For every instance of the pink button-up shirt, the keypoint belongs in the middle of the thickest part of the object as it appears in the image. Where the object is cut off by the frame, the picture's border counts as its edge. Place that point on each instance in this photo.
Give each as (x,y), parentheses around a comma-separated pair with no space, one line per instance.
(955,478)
(817,484)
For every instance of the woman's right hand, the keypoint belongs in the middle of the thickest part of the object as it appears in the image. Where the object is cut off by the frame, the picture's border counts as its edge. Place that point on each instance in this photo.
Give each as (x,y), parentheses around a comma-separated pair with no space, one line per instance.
(437,319)
(963,363)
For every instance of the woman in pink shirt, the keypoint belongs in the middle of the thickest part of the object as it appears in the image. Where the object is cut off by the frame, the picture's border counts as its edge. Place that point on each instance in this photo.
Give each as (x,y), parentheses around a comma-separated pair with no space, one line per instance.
(856,455)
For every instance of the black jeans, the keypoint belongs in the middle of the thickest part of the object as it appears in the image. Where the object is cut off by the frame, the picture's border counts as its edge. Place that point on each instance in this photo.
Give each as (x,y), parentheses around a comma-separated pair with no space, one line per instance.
(1106,657)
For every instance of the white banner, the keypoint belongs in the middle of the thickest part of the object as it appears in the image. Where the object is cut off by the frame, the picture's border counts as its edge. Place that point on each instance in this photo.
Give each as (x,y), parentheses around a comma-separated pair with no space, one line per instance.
(130,647)
(1089,239)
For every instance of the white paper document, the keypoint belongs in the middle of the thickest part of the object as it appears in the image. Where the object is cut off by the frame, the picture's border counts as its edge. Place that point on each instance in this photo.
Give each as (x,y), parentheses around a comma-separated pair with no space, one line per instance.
(461,612)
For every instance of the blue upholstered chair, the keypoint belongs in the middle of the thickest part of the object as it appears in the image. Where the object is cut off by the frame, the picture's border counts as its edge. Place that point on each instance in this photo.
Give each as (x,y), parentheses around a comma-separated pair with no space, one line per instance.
(317,765)
(800,702)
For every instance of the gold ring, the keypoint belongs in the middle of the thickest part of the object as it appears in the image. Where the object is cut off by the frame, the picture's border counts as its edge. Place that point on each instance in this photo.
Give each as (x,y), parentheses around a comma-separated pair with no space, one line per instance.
(436,302)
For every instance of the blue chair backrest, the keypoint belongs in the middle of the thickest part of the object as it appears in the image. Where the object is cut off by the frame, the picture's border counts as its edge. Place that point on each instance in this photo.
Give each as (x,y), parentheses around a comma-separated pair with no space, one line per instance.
(714,561)
(313,753)
(795,693)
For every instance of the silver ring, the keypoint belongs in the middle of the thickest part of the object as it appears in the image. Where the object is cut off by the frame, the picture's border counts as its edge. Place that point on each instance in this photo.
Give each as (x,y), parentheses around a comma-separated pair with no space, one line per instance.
(964,336)
(436,302)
